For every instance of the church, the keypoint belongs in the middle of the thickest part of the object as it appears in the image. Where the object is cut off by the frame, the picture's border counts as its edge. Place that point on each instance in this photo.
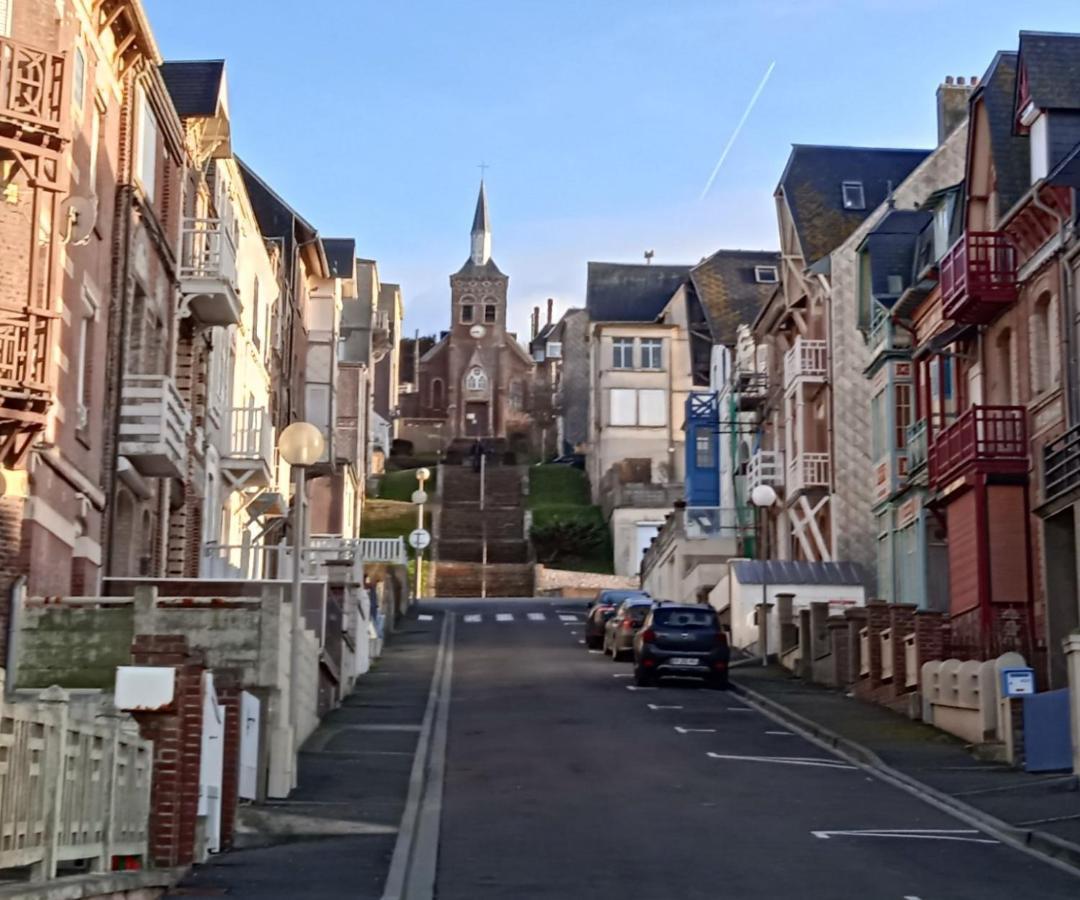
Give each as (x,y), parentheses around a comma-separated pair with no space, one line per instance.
(475,381)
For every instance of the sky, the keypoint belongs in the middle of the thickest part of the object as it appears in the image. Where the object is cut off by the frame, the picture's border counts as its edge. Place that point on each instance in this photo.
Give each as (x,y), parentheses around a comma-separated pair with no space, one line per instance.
(600,120)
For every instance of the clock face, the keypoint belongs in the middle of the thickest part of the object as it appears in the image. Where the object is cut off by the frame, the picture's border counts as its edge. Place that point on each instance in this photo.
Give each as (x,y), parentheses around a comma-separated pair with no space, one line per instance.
(477,331)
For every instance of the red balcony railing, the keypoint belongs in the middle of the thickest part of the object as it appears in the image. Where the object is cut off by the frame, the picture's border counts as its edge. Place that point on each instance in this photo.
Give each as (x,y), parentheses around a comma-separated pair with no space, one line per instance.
(978,277)
(31,86)
(24,355)
(990,439)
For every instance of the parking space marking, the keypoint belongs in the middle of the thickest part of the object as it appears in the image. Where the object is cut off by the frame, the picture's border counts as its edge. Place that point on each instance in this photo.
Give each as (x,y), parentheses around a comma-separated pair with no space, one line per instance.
(682,730)
(637,687)
(592,651)
(565,618)
(913,834)
(472,617)
(782,733)
(504,617)
(655,706)
(425,618)
(785,760)
(536,617)
(739,709)
(623,675)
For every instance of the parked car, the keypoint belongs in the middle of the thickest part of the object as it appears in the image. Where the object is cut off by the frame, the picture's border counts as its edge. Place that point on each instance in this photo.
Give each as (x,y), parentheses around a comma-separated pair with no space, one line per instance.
(602,608)
(621,627)
(682,640)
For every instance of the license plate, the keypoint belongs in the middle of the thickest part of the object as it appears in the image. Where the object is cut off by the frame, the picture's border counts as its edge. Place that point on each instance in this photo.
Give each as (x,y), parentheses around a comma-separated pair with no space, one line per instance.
(683,661)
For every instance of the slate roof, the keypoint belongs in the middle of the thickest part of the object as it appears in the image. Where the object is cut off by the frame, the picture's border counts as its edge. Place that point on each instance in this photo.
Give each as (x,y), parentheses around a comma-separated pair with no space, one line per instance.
(487,270)
(777,572)
(812,181)
(1067,172)
(728,291)
(480,220)
(891,245)
(194,85)
(1052,62)
(341,254)
(1010,151)
(629,292)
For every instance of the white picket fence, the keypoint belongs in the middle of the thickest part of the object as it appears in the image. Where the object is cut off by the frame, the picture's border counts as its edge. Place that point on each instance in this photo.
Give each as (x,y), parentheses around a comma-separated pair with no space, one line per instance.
(71,787)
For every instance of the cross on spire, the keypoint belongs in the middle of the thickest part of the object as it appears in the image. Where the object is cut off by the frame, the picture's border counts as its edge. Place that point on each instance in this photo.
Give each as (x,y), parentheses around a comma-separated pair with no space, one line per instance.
(483,167)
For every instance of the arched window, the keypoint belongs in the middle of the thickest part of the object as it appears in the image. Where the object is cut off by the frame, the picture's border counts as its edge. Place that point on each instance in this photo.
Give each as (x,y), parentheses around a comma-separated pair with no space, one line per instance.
(437,393)
(517,395)
(1044,374)
(476,379)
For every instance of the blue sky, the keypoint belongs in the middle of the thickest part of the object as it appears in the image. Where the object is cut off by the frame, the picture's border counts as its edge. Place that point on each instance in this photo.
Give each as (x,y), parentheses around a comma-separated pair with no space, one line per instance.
(601,119)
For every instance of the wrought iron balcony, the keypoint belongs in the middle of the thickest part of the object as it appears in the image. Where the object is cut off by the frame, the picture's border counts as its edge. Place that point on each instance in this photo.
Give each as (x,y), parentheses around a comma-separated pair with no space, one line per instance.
(31,89)
(208,271)
(1061,465)
(766,467)
(807,471)
(153,426)
(248,458)
(978,277)
(990,439)
(807,361)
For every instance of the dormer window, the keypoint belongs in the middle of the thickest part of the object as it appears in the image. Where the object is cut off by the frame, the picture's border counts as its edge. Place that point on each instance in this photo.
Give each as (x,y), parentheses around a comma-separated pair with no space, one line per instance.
(766,274)
(852,192)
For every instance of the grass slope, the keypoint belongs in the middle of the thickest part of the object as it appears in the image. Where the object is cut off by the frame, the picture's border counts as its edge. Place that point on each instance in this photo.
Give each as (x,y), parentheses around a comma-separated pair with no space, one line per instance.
(559,496)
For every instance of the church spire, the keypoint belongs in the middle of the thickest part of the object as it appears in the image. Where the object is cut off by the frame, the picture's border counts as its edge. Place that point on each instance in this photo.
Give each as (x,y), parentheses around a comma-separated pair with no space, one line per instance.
(481,230)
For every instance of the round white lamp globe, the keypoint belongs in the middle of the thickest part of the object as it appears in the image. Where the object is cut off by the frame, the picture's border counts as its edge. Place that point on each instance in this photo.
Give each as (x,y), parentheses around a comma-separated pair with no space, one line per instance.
(763,495)
(301,444)
(423,474)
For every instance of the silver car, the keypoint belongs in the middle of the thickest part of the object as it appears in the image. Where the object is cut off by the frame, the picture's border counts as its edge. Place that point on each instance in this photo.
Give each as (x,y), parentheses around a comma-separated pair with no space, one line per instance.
(620,629)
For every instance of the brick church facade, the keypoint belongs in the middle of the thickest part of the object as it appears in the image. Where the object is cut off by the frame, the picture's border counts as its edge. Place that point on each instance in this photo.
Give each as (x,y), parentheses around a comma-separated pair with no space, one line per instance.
(475,381)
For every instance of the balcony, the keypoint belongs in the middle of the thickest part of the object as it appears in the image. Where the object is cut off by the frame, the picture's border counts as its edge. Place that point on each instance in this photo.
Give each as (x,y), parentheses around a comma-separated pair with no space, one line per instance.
(915,438)
(248,459)
(1061,465)
(808,471)
(766,467)
(705,522)
(886,336)
(31,91)
(988,439)
(24,354)
(258,561)
(978,278)
(750,388)
(208,271)
(807,361)
(153,426)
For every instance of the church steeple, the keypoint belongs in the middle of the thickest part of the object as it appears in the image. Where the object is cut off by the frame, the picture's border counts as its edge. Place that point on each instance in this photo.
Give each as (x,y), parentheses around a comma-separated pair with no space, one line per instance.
(481,230)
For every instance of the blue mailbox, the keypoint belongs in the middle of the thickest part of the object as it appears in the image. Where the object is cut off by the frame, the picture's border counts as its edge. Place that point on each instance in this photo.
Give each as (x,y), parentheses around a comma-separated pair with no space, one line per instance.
(1017,682)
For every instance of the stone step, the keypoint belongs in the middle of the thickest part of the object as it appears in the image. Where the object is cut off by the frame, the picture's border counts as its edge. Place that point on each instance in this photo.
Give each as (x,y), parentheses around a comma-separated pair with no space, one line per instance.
(498,551)
(465,579)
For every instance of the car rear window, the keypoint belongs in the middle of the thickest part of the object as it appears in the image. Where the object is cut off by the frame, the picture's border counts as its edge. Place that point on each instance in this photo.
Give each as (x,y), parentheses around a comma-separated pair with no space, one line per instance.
(684,618)
(638,613)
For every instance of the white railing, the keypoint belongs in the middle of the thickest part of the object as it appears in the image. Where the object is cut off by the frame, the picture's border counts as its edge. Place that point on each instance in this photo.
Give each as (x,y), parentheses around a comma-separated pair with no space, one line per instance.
(70,788)
(807,360)
(207,251)
(766,467)
(383,550)
(251,435)
(885,639)
(153,425)
(703,522)
(911,661)
(255,562)
(808,470)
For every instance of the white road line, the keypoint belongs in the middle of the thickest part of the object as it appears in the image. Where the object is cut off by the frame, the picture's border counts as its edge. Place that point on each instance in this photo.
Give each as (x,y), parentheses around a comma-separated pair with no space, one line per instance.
(565,618)
(784,760)
(596,652)
(472,618)
(681,730)
(634,687)
(739,709)
(654,706)
(623,675)
(784,733)
(424,618)
(536,617)
(504,617)
(914,834)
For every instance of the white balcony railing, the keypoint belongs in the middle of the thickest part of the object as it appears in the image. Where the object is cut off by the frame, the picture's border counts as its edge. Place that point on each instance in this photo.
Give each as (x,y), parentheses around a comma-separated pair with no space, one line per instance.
(808,470)
(208,271)
(705,522)
(251,444)
(766,467)
(153,426)
(256,562)
(807,361)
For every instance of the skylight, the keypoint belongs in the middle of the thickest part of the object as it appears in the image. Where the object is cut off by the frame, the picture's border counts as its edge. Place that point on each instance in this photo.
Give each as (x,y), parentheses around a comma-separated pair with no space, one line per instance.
(766,275)
(853,195)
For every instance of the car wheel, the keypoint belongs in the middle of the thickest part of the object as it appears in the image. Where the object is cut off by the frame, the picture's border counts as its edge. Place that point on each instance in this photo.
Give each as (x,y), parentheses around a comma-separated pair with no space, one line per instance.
(643,678)
(592,643)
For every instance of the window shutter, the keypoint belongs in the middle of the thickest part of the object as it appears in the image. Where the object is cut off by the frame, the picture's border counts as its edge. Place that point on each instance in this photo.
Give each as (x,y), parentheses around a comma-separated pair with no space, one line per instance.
(623,406)
(652,407)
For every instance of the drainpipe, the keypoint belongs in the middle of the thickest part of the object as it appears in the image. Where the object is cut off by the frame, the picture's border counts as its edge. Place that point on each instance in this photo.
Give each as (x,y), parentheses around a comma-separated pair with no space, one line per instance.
(1065,294)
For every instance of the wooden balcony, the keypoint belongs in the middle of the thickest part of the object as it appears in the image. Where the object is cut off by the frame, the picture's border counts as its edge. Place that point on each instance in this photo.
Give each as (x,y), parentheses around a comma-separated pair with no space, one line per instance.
(766,467)
(807,471)
(25,339)
(247,460)
(806,362)
(1061,465)
(32,92)
(153,426)
(988,439)
(208,271)
(751,389)
(978,277)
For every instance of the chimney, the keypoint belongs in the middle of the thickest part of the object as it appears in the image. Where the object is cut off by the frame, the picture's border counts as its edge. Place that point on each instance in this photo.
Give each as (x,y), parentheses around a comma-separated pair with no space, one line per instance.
(952,104)
(535,321)
(551,308)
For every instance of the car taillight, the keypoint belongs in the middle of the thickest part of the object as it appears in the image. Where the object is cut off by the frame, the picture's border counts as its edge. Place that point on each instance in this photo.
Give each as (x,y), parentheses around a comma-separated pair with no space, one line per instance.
(720,639)
(648,636)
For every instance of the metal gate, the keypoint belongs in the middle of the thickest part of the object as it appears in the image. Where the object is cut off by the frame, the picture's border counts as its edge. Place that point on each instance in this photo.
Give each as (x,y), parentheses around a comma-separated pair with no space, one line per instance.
(212,764)
(249,746)
(1047,742)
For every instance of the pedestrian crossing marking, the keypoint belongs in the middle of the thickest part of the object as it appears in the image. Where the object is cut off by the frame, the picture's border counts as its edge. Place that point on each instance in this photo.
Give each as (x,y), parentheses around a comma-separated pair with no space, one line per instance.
(504,617)
(567,618)
(424,618)
(536,617)
(472,618)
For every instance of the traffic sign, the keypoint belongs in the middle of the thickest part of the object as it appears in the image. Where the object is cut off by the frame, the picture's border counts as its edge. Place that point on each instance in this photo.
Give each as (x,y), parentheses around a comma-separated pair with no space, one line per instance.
(419,538)
(419,496)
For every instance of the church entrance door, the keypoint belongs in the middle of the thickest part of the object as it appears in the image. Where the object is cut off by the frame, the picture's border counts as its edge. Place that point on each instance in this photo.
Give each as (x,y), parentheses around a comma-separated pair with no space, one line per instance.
(476,419)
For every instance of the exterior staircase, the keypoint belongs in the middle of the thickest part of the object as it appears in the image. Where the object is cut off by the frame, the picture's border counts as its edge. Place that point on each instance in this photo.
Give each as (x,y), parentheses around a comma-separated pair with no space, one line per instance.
(463,529)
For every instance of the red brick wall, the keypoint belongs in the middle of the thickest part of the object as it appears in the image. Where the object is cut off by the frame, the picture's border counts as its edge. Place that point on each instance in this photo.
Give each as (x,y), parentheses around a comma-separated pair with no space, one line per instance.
(229,687)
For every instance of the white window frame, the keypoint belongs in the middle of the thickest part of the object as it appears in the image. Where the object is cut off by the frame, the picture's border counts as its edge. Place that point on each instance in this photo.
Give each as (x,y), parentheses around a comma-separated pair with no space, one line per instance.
(476,380)
(88,316)
(78,80)
(146,171)
(624,414)
(766,275)
(5,17)
(852,185)
(618,359)
(648,347)
(1039,138)
(554,349)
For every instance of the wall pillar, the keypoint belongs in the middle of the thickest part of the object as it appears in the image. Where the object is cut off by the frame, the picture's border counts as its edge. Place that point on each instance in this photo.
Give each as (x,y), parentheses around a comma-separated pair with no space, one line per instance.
(841,675)
(1072,658)
(902,623)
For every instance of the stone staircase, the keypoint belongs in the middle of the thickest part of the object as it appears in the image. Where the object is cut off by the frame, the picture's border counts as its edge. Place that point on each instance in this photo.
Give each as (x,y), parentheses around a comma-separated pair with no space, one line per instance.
(463,528)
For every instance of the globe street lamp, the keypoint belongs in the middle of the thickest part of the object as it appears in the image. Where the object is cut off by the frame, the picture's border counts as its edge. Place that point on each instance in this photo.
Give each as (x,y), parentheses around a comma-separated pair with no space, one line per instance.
(420,498)
(763,496)
(301,445)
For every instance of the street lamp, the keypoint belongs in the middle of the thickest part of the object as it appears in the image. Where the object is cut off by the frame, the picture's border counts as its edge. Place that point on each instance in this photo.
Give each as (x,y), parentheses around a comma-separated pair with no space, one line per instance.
(420,498)
(301,445)
(763,496)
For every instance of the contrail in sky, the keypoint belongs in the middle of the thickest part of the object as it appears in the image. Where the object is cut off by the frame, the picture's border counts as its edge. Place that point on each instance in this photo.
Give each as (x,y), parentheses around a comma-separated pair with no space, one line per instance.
(738,128)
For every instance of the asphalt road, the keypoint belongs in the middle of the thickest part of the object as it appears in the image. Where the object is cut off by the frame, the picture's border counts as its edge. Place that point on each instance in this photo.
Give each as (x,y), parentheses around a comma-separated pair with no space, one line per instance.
(562,781)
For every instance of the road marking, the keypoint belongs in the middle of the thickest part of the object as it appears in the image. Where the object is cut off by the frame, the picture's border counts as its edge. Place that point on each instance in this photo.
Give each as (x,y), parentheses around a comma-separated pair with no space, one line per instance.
(682,730)
(910,897)
(914,834)
(565,618)
(424,618)
(654,706)
(623,675)
(784,733)
(504,617)
(592,651)
(637,687)
(536,617)
(472,618)
(785,760)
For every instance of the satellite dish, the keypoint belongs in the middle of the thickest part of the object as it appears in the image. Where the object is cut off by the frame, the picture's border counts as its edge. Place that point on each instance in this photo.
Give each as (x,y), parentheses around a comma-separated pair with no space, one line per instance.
(81,216)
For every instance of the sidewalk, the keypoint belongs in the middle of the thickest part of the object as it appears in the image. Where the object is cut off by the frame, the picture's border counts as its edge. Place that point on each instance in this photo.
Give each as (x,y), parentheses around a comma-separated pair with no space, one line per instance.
(1041,810)
(335,834)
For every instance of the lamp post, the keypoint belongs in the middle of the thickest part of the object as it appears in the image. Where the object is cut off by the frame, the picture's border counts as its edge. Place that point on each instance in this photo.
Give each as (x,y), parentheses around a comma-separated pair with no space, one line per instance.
(422,475)
(301,445)
(763,496)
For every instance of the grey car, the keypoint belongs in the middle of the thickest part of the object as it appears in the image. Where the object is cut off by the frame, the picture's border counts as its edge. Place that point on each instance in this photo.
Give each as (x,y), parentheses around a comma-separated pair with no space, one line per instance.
(620,629)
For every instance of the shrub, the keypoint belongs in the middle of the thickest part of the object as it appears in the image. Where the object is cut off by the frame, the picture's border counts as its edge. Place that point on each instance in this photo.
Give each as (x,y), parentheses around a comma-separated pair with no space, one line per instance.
(560,535)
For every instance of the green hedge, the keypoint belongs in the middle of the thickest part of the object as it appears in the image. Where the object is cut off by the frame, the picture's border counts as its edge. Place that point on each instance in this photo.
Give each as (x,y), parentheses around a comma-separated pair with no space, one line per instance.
(400,485)
(568,532)
(551,485)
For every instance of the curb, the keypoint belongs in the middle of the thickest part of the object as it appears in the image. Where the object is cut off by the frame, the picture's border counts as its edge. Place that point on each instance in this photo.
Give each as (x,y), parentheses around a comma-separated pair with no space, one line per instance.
(1055,849)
